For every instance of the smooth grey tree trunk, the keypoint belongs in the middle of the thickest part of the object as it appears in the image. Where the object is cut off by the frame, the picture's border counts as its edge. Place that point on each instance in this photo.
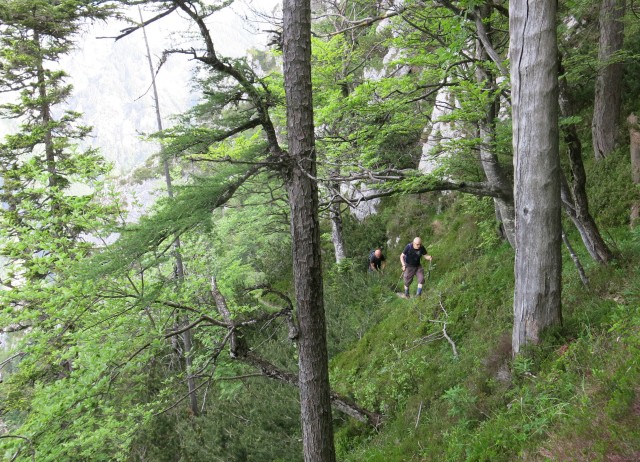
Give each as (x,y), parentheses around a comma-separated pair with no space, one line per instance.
(608,91)
(534,79)
(315,403)
(634,145)
(495,175)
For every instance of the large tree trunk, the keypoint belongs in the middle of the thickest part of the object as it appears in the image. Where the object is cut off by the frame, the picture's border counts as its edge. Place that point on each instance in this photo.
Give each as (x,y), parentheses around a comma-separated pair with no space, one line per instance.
(634,142)
(315,403)
(534,80)
(606,109)
(574,195)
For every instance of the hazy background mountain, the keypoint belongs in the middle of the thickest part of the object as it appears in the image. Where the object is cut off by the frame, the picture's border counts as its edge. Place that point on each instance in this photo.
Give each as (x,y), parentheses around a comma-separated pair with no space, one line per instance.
(112,88)
(112,83)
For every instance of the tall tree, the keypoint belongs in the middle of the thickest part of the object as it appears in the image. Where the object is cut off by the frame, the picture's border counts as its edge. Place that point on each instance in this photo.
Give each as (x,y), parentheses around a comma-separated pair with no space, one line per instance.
(317,426)
(41,159)
(297,166)
(608,94)
(50,184)
(534,80)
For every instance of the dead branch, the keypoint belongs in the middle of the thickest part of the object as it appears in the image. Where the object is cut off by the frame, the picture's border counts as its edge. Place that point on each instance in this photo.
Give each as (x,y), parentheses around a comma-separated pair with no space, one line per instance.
(363,23)
(31,448)
(190,326)
(180,400)
(576,259)
(444,330)
(436,335)
(287,311)
(130,30)
(418,418)
(241,377)
(424,340)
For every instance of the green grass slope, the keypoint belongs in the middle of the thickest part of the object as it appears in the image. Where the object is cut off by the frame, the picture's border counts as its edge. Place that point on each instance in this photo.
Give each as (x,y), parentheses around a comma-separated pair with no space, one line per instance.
(439,367)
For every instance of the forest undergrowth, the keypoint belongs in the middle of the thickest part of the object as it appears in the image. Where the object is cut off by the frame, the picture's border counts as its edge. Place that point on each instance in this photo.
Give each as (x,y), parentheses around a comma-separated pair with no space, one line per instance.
(461,396)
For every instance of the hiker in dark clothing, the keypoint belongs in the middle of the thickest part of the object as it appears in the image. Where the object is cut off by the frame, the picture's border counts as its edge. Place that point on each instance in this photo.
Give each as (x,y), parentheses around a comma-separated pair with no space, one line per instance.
(376,261)
(410,259)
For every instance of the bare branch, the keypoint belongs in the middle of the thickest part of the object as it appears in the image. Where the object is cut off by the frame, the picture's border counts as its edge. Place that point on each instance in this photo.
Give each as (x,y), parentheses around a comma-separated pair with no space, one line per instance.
(444,330)
(287,312)
(183,398)
(15,456)
(240,377)
(131,356)
(363,23)
(203,317)
(137,26)
(190,326)
(476,188)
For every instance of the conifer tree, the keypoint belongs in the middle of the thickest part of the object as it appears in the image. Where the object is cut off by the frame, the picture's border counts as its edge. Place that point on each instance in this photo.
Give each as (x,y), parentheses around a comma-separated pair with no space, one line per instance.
(41,158)
(49,184)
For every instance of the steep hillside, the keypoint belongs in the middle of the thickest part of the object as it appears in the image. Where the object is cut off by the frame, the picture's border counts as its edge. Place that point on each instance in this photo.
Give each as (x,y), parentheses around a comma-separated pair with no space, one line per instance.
(460,396)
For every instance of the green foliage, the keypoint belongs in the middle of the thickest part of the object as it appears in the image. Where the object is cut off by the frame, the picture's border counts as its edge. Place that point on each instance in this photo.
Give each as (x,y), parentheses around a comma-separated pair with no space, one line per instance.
(101,374)
(361,237)
(564,398)
(611,192)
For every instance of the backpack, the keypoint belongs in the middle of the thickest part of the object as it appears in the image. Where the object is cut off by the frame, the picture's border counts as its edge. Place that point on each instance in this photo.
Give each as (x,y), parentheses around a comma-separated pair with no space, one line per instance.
(371,254)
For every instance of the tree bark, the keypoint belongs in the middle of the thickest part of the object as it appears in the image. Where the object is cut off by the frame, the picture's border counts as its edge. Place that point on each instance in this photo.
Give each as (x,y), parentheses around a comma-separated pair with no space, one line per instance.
(534,80)
(336,232)
(315,403)
(608,91)
(574,195)
(493,171)
(634,145)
